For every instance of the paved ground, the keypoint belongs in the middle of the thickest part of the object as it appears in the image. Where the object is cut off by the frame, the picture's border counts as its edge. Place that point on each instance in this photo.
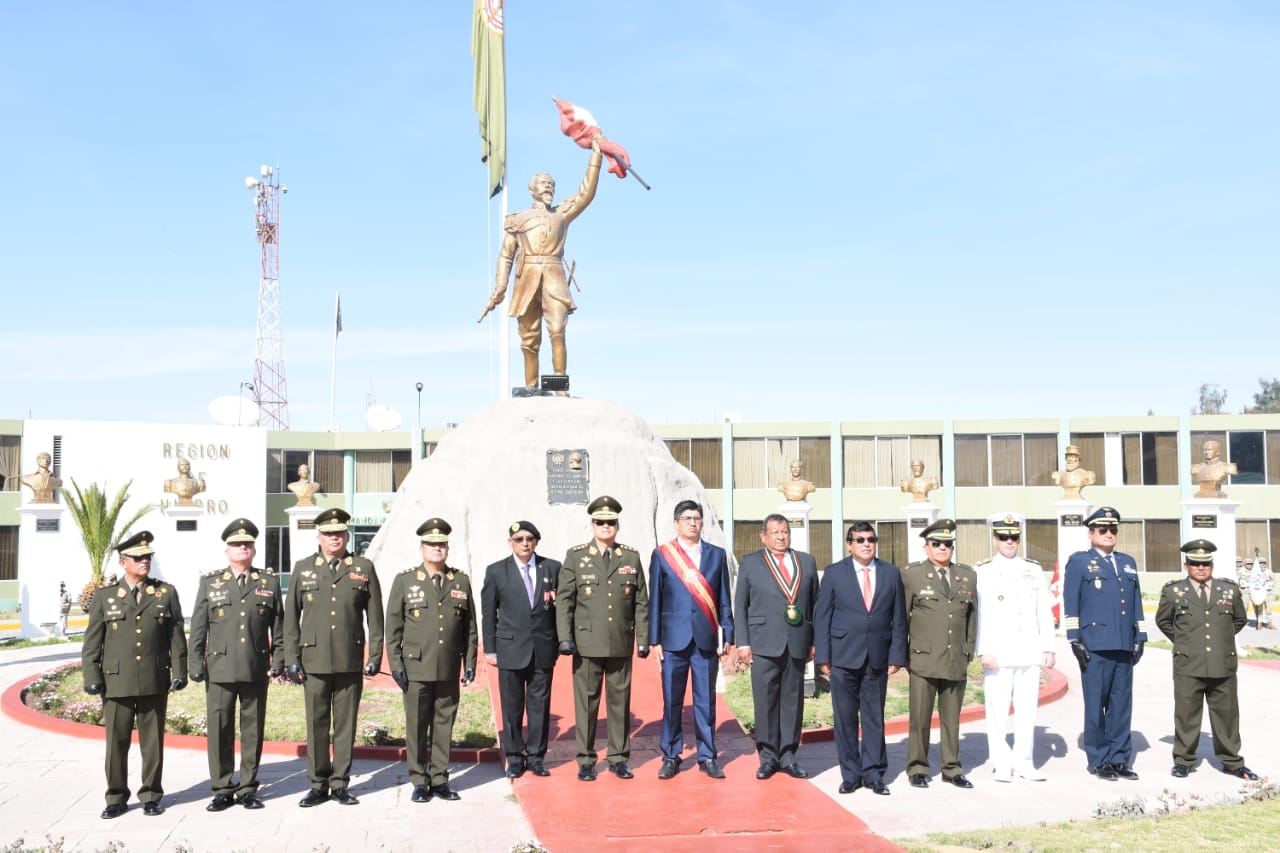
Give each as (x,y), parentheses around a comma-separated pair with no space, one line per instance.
(52,784)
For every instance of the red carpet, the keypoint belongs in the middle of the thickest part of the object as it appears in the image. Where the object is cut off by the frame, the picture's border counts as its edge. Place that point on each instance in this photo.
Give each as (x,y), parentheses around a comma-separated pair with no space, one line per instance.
(687,813)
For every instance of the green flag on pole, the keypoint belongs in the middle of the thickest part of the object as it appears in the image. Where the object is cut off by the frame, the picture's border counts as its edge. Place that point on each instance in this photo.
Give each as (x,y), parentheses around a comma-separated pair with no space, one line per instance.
(489,51)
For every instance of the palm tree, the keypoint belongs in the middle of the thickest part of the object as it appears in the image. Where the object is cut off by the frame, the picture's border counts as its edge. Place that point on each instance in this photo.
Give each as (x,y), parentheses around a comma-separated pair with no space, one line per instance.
(100,529)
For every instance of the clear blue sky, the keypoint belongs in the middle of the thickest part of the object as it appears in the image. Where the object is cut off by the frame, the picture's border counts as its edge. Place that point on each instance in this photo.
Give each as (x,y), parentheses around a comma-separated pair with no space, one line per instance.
(861,210)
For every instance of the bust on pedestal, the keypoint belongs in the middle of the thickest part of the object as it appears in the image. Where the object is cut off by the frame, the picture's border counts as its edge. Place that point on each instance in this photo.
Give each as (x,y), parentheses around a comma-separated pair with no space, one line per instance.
(921,512)
(304,488)
(1210,513)
(42,483)
(184,485)
(796,510)
(1071,509)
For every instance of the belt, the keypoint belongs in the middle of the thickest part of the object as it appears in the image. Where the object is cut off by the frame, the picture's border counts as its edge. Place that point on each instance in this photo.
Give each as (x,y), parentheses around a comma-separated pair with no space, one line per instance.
(543,259)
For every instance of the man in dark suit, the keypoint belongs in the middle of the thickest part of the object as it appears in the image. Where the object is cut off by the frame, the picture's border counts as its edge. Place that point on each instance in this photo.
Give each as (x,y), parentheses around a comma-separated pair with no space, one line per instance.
(860,639)
(237,641)
(134,656)
(431,640)
(773,614)
(518,606)
(332,593)
(1107,631)
(690,626)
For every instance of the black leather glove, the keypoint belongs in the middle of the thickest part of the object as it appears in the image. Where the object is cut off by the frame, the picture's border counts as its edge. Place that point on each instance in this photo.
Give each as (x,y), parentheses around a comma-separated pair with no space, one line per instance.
(277,670)
(197,677)
(177,684)
(642,651)
(371,669)
(401,678)
(1082,655)
(1138,649)
(567,647)
(468,676)
(296,673)
(94,689)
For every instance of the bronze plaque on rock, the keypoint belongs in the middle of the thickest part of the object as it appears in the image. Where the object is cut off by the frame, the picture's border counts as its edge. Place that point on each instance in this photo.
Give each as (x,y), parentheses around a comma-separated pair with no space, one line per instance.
(568,476)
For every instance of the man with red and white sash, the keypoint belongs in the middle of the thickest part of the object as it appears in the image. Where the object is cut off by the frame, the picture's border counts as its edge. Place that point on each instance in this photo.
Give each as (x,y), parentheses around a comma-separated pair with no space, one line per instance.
(773,616)
(690,629)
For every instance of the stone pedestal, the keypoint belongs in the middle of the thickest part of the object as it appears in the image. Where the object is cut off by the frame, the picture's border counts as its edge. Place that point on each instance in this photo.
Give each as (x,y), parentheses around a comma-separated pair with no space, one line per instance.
(46,532)
(183,550)
(1213,519)
(1073,535)
(797,515)
(302,531)
(920,514)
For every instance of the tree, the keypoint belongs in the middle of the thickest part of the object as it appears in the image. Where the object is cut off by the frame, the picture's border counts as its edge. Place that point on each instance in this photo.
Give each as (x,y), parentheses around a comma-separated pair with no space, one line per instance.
(1267,400)
(100,528)
(1212,399)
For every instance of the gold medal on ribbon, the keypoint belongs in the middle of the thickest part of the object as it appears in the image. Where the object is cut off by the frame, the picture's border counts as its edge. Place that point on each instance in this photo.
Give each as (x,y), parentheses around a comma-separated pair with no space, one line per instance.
(793,615)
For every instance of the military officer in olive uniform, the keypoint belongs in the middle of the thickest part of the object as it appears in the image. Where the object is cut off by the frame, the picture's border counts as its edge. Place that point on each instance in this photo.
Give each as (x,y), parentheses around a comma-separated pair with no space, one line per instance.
(237,641)
(134,655)
(431,635)
(602,605)
(332,593)
(1102,600)
(942,626)
(1201,615)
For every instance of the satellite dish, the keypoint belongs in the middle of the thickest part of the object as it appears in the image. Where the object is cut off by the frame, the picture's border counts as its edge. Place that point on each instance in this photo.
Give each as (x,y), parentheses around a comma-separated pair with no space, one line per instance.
(382,418)
(234,410)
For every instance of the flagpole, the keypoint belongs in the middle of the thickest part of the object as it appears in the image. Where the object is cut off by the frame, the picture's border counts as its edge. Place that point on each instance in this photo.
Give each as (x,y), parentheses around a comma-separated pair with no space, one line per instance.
(333,373)
(504,323)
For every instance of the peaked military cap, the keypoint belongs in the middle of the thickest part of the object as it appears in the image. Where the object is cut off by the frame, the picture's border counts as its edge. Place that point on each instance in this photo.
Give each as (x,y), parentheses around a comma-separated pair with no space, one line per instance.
(240,530)
(434,530)
(137,545)
(1103,515)
(332,520)
(604,508)
(517,526)
(943,530)
(1009,524)
(1071,450)
(1199,551)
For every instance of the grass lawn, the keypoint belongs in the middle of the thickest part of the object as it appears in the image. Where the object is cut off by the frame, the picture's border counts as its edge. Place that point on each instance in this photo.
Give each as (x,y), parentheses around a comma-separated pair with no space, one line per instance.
(817,710)
(381,718)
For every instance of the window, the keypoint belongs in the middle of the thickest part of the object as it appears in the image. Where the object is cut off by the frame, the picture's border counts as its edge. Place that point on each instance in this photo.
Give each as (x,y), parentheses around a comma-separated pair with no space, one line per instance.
(1247,452)
(275,551)
(428,447)
(892,547)
(702,457)
(820,542)
(8,553)
(1040,542)
(746,537)
(325,465)
(763,463)
(885,460)
(381,470)
(1150,458)
(1153,543)
(1005,460)
(1093,455)
(10,463)
(973,542)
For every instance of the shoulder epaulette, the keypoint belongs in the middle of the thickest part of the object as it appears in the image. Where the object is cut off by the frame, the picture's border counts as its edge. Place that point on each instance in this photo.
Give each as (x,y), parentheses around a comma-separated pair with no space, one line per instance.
(1229,581)
(408,570)
(268,572)
(626,547)
(214,573)
(1031,561)
(1173,582)
(983,562)
(581,547)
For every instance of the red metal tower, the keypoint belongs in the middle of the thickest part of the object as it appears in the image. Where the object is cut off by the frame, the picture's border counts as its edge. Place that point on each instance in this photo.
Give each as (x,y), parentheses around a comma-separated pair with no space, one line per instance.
(269,390)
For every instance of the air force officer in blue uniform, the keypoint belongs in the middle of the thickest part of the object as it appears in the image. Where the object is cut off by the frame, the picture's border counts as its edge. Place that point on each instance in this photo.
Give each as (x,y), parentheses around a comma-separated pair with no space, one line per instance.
(1106,630)
(691,619)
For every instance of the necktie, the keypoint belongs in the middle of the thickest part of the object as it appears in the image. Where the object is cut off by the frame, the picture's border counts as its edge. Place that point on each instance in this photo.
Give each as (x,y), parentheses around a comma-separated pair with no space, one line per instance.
(137,594)
(438,580)
(1204,594)
(528,581)
(785,569)
(1112,560)
(240,580)
(946,585)
(334,565)
(866,586)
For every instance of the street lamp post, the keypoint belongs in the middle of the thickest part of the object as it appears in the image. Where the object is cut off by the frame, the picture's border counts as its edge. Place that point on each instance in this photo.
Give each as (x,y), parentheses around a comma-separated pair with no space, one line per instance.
(417,436)
(240,413)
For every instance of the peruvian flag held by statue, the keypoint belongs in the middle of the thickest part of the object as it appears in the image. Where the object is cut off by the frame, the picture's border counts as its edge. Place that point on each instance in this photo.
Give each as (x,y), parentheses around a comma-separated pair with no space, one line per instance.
(579,125)
(1055,592)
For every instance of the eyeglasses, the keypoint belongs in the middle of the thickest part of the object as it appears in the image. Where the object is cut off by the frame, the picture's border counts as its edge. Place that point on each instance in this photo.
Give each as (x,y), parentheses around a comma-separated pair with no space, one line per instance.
(938,543)
(691,519)
(1104,528)
(863,540)
(1008,537)
(601,522)
(522,539)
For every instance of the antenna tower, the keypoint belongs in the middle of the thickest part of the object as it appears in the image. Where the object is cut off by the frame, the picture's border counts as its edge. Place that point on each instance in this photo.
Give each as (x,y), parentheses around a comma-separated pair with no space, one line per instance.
(269,390)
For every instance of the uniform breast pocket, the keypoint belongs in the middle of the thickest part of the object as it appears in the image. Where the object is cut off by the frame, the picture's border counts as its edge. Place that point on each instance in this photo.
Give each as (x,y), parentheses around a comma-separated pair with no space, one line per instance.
(628,590)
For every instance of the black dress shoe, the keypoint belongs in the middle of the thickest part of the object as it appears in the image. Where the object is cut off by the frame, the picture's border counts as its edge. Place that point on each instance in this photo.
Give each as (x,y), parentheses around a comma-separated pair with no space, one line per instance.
(766,770)
(250,801)
(880,788)
(421,794)
(314,798)
(849,787)
(621,770)
(515,769)
(537,768)
(1243,773)
(586,773)
(345,797)
(114,810)
(152,808)
(444,792)
(711,768)
(220,803)
(960,781)
(1124,772)
(919,780)
(1104,772)
(795,771)
(670,767)
(1180,771)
